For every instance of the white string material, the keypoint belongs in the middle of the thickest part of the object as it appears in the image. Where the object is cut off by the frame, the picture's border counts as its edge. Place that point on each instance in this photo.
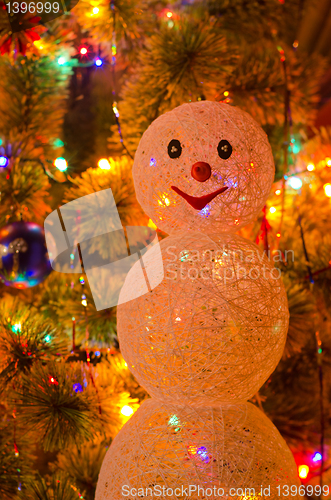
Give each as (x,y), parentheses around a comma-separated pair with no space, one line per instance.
(233,446)
(208,336)
(215,327)
(199,127)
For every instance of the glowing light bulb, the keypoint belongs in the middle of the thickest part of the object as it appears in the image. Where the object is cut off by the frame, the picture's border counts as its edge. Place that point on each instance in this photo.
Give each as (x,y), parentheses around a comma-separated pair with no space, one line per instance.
(317,457)
(295,182)
(84,301)
(98,62)
(61,61)
(104,164)
(327,190)
(61,164)
(169,14)
(278,235)
(273,210)
(226,93)
(17,327)
(328,162)
(277,192)
(127,411)
(96,10)
(4,161)
(303,471)
(83,51)
(310,167)
(48,338)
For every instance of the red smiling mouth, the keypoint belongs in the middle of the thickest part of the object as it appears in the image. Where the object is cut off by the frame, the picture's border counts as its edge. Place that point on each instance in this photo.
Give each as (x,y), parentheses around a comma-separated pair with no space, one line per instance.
(199,202)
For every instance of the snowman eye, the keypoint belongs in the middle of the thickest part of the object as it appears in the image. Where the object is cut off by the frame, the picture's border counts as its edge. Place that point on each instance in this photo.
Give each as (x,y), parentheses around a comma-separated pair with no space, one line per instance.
(174,148)
(224,149)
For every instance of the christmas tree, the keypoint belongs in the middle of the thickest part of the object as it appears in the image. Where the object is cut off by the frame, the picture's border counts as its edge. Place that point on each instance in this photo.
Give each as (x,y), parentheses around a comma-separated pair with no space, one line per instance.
(78,89)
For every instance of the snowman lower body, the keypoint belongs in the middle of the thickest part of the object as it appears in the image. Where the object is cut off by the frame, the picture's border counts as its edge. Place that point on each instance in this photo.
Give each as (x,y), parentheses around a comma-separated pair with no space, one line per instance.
(202,343)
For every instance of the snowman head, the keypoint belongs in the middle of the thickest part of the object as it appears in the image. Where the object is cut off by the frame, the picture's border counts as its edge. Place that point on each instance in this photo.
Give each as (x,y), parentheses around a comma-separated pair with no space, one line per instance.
(204,166)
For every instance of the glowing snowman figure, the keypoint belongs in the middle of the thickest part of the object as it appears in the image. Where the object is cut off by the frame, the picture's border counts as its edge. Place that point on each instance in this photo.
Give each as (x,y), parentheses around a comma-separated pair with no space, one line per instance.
(205,339)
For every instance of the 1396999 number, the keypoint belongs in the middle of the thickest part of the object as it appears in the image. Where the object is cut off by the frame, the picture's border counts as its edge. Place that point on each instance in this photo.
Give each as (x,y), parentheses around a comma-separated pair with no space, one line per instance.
(303,490)
(32,7)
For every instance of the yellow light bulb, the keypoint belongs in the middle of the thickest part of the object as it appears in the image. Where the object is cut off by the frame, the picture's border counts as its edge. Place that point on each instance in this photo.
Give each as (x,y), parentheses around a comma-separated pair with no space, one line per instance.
(328,162)
(169,14)
(96,10)
(226,93)
(303,471)
(277,192)
(104,164)
(327,190)
(273,210)
(310,167)
(127,411)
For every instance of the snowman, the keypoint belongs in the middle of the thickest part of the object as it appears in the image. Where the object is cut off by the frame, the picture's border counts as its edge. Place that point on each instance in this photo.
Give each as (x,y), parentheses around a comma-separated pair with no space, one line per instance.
(204,340)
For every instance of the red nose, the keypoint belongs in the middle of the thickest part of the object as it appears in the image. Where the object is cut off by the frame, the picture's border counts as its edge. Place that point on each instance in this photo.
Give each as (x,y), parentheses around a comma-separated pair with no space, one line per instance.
(201,171)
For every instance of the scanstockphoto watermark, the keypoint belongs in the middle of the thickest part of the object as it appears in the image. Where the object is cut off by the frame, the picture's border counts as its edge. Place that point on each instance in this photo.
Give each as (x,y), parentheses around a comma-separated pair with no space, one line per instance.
(194,491)
(225,263)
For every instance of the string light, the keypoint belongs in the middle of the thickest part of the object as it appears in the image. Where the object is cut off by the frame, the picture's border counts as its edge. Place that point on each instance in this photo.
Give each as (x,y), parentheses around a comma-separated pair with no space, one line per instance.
(104,164)
(169,14)
(328,162)
(52,380)
(61,164)
(48,338)
(295,182)
(127,411)
(16,328)
(81,280)
(98,62)
(226,93)
(310,167)
(327,190)
(303,471)
(317,457)
(61,61)
(272,210)
(4,161)
(96,10)
(83,51)
(84,301)
(278,192)
(77,388)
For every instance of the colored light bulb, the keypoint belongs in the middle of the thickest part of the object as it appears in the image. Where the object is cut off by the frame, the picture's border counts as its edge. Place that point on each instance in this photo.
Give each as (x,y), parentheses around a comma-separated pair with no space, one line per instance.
(317,457)
(83,51)
(61,61)
(295,182)
(127,411)
(4,161)
(96,10)
(303,471)
(61,164)
(310,167)
(104,164)
(327,190)
(98,62)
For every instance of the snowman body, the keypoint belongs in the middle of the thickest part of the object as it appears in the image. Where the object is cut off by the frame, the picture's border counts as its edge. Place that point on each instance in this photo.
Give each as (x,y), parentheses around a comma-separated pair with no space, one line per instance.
(208,336)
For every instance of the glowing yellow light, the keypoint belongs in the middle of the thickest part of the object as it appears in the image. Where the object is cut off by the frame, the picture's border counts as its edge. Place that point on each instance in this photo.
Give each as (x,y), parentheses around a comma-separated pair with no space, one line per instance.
(169,14)
(83,51)
(226,93)
(327,190)
(165,200)
(104,164)
(310,167)
(192,450)
(96,10)
(278,235)
(84,302)
(303,471)
(151,224)
(38,44)
(328,162)
(296,44)
(273,210)
(277,192)
(127,411)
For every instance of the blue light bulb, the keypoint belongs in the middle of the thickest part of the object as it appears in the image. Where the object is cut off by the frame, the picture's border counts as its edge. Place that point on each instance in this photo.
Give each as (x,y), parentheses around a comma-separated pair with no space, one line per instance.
(98,62)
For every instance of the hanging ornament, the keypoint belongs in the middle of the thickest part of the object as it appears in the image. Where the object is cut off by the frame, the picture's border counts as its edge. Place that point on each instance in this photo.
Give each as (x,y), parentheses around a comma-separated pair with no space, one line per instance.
(23,255)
